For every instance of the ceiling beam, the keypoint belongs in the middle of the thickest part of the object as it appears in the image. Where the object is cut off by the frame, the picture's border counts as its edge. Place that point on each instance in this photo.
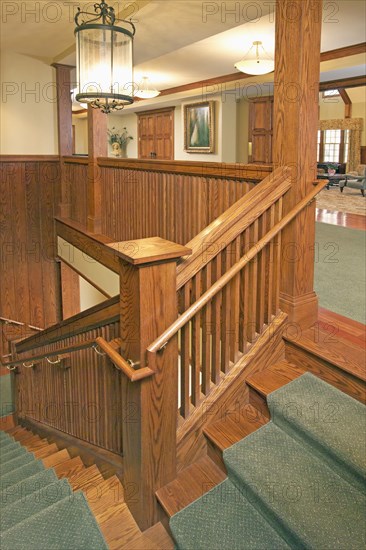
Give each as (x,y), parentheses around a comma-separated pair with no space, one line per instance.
(347,103)
(351,82)
(343,52)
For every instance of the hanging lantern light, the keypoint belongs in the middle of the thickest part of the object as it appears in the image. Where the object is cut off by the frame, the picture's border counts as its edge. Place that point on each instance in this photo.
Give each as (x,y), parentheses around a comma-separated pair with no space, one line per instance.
(104,52)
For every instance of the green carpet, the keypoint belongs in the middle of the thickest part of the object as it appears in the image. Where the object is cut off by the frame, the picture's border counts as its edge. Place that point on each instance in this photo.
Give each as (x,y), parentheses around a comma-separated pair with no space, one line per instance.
(39,511)
(296,482)
(340,270)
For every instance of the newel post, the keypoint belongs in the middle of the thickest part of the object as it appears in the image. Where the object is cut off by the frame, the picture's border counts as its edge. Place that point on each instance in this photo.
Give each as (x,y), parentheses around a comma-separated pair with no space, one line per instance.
(148,306)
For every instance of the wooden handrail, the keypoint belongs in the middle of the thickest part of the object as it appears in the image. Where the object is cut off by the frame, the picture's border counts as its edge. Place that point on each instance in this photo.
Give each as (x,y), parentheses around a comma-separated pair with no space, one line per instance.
(53,353)
(232,222)
(245,172)
(121,363)
(19,323)
(160,342)
(97,316)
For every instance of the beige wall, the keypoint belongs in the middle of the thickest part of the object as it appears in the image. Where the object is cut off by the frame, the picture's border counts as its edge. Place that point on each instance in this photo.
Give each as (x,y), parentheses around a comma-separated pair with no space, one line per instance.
(28,110)
(242,131)
(81,134)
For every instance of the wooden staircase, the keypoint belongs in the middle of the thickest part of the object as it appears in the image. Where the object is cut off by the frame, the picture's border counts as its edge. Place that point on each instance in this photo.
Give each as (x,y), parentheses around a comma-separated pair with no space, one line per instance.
(105,496)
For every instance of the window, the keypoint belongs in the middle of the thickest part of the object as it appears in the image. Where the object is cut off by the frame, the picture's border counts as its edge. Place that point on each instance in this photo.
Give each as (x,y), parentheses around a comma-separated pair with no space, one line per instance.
(331,93)
(333,145)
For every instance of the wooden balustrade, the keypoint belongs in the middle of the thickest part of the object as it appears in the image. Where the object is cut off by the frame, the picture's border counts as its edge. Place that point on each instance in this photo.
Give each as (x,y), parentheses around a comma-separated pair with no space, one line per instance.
(75,171)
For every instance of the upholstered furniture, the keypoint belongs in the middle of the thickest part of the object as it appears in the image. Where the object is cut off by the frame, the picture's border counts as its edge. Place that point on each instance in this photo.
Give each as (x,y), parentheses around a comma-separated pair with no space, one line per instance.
(355,180)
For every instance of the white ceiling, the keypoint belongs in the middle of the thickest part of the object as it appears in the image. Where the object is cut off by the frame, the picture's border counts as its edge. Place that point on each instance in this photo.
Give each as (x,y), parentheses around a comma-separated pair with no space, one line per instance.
(177,42)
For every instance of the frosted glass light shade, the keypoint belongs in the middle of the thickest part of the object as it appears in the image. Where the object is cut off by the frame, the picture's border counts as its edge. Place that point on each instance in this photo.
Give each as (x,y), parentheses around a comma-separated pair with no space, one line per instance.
(256,61)
(145,91)
(104,66)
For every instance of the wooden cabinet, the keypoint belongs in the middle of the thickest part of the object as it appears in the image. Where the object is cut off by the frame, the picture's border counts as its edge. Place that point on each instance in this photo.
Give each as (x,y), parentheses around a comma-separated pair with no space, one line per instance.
(156,134)
(261,129)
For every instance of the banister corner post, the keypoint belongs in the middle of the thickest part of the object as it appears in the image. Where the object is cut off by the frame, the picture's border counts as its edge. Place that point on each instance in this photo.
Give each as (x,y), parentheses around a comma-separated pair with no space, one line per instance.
(148,305)
(97,147)
(296,100)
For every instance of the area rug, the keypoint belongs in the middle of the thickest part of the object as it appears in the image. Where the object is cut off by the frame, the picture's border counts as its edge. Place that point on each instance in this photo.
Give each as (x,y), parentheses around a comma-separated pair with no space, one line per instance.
(350,200)
(340,277)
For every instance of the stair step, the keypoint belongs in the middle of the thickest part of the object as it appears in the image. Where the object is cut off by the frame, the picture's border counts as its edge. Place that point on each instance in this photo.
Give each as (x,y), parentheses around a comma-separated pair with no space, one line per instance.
(57,458)
(46,451)
(35,445)
(224,433)
(90,477)
(155,538)
(334,349)
(16,430)
(190,485)
(22,437)
(106,494)
(274,377)
(69,467)
(117,525)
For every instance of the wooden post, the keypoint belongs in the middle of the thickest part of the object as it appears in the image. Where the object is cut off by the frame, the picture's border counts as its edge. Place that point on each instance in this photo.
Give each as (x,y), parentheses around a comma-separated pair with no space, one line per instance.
(64,119)
(297,67)
(97,147)
(150,406)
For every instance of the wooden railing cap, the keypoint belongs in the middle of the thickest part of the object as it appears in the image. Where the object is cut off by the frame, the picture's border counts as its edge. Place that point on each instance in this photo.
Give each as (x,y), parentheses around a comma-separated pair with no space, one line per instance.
(151,250)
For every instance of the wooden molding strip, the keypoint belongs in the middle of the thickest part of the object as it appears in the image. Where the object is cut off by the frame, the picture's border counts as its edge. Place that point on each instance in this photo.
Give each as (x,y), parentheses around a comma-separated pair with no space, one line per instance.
(83,276)
(97,316)
(352,82)
(29,158)
(255,172)
(61,351)
(76,160)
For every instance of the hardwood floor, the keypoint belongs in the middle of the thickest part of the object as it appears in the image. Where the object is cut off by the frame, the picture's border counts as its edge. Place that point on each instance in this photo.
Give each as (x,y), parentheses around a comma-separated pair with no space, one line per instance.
(344,219)
(346,328)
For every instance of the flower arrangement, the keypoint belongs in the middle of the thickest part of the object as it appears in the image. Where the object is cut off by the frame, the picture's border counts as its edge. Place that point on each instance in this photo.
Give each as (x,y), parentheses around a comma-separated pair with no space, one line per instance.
(116,136)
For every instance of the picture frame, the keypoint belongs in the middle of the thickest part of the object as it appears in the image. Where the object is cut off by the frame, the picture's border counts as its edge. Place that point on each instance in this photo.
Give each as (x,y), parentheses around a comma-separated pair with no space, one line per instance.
(199,127)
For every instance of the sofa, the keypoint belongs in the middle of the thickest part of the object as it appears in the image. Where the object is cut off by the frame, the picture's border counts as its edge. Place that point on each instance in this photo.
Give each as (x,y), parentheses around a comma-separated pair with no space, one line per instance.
(355,180)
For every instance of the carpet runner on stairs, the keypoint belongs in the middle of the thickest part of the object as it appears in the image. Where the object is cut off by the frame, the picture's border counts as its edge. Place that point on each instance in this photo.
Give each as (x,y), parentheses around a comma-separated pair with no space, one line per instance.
(297,482)
(39,511)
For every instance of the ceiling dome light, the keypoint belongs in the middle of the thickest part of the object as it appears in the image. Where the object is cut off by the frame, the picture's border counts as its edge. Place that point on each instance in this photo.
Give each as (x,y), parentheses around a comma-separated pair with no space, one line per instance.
(145,91)
(256,61)
(104,59)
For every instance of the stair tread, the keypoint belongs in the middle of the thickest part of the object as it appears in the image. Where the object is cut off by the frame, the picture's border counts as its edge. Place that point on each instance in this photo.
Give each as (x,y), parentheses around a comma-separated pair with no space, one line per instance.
(155,538)
(334,349)
(117,525)
(46,451)
(274,377)
(105,494)
(69,467)
(86,478)
(56,458)
(190,485)
(300,498)
(224,433)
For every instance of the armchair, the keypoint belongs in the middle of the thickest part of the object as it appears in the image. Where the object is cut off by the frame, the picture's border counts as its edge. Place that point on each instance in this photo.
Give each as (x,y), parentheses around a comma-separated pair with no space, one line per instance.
(355,180)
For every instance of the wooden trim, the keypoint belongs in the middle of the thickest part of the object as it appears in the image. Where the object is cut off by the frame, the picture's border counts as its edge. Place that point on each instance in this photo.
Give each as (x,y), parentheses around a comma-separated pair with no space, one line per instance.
(148,251)
(347,103)
(95,245)
(343,52)
(7,422)
(29,158)
(75,160)
(352,82)
(83,276)
(61,351)
(157,111)
(247,172)
(95,317)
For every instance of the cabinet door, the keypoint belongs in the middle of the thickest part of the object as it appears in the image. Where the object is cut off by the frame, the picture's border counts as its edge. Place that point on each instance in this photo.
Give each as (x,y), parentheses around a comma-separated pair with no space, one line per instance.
(261,129)
(146,130)
(156,135)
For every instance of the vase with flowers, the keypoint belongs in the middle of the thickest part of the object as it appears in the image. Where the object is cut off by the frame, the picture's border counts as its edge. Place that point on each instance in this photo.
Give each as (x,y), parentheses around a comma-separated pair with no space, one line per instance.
(118,141)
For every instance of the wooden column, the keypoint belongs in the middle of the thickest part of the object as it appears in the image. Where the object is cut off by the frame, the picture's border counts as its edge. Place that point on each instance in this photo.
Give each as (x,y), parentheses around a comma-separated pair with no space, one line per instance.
(64,119)
(97,147)
(297,60)
(150,406)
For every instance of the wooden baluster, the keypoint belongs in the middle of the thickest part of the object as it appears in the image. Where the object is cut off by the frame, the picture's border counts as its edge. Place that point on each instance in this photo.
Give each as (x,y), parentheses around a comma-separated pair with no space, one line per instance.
(277,252)
(225,315)
(148,306)
(261,293)
(244,295)
(216,324)
(206,334)
(185,356)
(269,269)
(253,284)
(235,304)
(196,342)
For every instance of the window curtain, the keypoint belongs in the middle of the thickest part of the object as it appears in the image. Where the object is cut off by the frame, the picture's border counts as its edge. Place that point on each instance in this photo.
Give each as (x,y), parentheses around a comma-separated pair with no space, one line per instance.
(355,125)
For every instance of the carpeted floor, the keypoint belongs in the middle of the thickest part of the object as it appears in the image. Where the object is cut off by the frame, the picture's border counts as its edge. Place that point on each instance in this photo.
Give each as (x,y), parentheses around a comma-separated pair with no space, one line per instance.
(350,200)
(340,270)
(298,482)
(38,510)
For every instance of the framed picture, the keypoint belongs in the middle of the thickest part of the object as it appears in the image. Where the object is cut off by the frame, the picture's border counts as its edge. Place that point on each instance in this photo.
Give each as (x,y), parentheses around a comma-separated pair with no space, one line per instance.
(199,127)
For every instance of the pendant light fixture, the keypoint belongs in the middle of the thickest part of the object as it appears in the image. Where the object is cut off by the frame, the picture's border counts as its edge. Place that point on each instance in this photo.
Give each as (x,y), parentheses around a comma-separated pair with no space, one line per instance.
(145,91)
(104,51)
(256,61)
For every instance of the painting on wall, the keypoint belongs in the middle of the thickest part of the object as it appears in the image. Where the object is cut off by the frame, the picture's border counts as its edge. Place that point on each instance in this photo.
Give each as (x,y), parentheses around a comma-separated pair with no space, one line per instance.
(199,127)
